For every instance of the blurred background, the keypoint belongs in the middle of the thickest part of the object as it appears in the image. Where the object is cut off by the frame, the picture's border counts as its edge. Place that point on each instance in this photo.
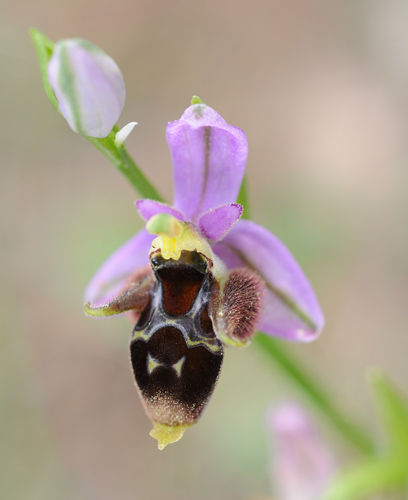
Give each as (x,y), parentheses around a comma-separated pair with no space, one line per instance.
(320,88)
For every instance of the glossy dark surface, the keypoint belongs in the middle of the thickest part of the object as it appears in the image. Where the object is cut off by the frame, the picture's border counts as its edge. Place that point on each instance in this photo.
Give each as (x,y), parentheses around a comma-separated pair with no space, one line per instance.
(175,354)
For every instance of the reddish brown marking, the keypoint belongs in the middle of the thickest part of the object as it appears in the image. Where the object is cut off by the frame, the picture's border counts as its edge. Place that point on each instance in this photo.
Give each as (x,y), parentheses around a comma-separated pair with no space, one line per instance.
(181,284)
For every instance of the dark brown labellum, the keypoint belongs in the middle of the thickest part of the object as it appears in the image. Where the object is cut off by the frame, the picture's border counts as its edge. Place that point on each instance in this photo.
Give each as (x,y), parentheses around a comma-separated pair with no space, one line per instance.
(175,354)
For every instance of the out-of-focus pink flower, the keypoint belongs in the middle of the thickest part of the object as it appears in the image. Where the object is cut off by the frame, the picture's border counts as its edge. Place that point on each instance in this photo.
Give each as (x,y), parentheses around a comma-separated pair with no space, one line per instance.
(301,463)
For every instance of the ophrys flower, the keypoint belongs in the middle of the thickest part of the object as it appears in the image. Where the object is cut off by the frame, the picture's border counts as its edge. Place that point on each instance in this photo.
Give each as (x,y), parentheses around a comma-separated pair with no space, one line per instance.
(206,280)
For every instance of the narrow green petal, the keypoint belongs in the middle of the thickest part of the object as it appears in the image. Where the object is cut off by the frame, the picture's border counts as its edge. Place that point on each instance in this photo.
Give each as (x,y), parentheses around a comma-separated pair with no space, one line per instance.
(393,409)
(371,477)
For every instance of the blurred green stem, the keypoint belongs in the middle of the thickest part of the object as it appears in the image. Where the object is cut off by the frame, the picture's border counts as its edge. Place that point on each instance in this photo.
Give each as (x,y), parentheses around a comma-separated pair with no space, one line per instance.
(121,159)
(279,354)
(243,198)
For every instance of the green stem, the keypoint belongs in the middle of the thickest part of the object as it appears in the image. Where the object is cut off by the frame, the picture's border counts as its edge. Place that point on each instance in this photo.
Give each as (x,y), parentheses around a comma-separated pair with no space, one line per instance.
(121,159)
(243,198)
(280,355)
(129,168)
(276,351)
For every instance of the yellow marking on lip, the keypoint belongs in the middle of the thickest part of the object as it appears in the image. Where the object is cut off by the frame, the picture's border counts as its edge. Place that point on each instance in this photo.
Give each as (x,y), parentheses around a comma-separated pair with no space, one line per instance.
(232,342)
(140,334)
(212,347)
(151,364)
(179,366)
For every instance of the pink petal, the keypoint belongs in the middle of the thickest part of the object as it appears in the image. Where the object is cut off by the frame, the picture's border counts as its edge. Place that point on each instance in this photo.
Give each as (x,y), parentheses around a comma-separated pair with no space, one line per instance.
(216,223)
(112,275)
(148,208)
(291,309)
(209,159)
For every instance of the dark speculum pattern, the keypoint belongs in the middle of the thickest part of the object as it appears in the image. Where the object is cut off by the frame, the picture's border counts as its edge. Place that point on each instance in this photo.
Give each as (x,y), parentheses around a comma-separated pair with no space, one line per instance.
(175,354)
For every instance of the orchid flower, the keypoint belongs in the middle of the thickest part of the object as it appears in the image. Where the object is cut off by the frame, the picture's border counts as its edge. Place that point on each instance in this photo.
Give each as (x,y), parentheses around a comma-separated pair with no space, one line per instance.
(200,272)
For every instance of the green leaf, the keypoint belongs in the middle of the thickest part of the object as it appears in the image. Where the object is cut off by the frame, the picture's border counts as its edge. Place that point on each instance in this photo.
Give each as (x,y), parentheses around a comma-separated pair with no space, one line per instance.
(121,159)
(374,475)
(44,47)
(393,409)
(383,473)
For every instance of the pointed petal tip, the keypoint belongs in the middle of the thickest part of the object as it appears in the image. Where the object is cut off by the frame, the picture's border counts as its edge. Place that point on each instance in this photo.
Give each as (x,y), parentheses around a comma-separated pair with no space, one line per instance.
(288,326)
(306,336)
(123,133)
(217,222)
(103,311)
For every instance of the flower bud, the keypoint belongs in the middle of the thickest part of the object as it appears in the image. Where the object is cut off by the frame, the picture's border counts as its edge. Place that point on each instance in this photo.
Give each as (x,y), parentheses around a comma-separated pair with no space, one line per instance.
(88,85)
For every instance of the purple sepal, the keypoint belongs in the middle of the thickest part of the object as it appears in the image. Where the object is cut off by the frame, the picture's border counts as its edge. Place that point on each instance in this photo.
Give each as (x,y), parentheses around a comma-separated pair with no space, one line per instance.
(291,309)
(148,208)
(112,275)
(216,223)
(208,158)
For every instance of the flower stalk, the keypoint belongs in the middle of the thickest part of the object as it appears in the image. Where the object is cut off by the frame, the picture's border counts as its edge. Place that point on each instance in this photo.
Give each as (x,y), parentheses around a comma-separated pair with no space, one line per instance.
(122,161)
(286,362)
(280,356)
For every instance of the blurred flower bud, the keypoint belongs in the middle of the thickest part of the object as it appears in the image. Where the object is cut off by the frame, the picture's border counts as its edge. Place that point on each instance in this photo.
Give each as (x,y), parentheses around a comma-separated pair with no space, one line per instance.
(302,465)
(88,85)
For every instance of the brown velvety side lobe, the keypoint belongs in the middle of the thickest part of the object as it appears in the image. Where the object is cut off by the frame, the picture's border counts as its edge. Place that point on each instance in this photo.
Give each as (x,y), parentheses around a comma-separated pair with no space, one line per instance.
(137,293)
(236,310)
(133,299)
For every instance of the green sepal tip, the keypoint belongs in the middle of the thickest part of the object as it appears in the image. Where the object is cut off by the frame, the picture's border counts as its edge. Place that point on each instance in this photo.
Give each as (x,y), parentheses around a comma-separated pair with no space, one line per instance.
(44,47)
(196,100)
(100,312)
